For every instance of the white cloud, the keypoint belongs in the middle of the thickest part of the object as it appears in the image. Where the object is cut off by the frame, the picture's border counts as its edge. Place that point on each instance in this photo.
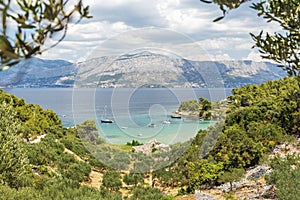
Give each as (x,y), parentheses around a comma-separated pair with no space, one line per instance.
(184,19)
(227,39)
(220,57)
(226,43)
(83,38)
(254,56)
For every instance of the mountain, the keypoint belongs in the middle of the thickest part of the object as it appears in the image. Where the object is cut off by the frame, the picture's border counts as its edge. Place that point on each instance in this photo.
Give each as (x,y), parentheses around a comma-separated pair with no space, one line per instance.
(36,72)
(143,69)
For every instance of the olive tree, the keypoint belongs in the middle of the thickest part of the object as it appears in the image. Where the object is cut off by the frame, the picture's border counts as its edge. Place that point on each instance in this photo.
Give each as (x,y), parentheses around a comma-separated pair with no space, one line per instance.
(27,24)
(283,46)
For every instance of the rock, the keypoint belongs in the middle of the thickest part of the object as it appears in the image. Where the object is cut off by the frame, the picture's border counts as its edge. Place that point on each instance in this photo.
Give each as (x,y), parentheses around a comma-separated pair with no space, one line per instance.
(257,172)
(203,196)
(268,192)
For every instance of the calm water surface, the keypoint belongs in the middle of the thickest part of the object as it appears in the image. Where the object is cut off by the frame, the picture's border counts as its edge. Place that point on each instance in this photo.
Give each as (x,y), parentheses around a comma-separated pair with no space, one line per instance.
(132,110)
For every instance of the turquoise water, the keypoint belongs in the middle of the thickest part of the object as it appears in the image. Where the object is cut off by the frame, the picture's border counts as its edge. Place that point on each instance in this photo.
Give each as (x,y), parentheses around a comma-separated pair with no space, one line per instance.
(132,110)
(178,130)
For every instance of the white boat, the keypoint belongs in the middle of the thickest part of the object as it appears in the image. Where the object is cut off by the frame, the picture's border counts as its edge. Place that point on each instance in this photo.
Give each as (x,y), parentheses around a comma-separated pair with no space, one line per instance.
(105,120)
(108,121)
(166,122)
(151,125)
(176,116)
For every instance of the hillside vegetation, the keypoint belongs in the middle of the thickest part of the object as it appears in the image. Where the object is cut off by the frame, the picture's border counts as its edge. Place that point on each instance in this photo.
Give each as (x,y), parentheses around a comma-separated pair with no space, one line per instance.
(258,118)
(57,167)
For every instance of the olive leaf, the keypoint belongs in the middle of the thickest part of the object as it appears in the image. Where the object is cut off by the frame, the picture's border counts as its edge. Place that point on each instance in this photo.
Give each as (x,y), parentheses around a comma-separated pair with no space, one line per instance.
(34,22)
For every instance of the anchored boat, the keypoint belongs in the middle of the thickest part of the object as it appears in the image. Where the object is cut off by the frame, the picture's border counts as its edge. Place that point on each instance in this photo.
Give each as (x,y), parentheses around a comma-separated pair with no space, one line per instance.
(105,120)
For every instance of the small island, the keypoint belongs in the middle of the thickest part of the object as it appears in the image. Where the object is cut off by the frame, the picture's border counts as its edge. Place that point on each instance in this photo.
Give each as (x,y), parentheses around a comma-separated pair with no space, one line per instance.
(203,109)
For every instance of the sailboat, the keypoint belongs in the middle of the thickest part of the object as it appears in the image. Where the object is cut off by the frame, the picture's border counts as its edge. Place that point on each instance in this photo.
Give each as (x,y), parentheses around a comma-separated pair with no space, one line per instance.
(105,120)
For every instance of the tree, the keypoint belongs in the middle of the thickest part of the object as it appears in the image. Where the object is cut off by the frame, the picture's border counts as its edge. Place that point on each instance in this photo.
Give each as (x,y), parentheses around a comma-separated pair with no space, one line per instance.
(285,176)
(88,131)
(282,47)
(112,180)
(203,172)
(35,22)
(13,158)
(205,111)
(148,193)
(78,171)
(133,179)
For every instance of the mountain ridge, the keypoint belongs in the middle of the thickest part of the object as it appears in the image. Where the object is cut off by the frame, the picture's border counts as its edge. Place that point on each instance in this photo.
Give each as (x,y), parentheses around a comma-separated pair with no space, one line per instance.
(142,69)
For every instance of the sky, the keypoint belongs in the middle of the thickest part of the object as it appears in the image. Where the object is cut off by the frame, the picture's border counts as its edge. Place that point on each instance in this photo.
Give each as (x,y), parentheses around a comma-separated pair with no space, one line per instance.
(182,27)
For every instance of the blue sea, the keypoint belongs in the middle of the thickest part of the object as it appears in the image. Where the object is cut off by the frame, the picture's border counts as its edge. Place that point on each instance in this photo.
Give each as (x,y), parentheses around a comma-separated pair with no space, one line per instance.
(132,110)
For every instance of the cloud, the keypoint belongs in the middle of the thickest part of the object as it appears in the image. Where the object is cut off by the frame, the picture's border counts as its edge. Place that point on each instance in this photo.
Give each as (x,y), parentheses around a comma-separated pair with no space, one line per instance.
(227,39)
(135,13)
(83,38)
(254,56)
(227,44)
(221,57)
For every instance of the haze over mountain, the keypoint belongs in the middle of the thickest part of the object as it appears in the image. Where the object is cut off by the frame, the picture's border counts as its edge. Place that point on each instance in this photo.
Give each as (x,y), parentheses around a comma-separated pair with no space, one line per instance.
(142,69)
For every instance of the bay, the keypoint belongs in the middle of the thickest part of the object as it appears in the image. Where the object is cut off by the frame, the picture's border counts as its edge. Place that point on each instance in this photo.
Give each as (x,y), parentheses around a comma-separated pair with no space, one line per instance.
(131,109)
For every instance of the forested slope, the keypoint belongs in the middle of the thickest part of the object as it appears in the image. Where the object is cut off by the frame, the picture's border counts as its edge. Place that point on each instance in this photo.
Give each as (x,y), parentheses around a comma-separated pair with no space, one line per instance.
(258,118)
(58,165)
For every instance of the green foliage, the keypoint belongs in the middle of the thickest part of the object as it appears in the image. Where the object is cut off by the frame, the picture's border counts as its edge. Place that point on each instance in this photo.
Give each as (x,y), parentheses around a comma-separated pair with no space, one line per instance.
(202,108)
(112,180)
(134,143)
(32,118)
(57,189)
(72,142)
(13,158)
(225,5)
(45,152)
(283,46)
(78,171)
(107,194)
(121,161)
(88,133)
(191,106)
(258,118)
(236,149)
(206,105)
(203,172)
(230,196)
(35,22)
(133,179)
(254,129)
(275,102)
(47,169)
(285,176)
(148,193)
(168,177)
(231,175)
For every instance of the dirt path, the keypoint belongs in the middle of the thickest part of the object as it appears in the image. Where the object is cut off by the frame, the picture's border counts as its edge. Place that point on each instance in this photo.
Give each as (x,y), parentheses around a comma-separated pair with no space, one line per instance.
(74,154)
(95,181)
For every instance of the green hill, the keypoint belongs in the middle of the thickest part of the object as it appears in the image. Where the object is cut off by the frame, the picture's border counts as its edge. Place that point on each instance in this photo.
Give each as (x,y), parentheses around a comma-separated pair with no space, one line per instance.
(258,118)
